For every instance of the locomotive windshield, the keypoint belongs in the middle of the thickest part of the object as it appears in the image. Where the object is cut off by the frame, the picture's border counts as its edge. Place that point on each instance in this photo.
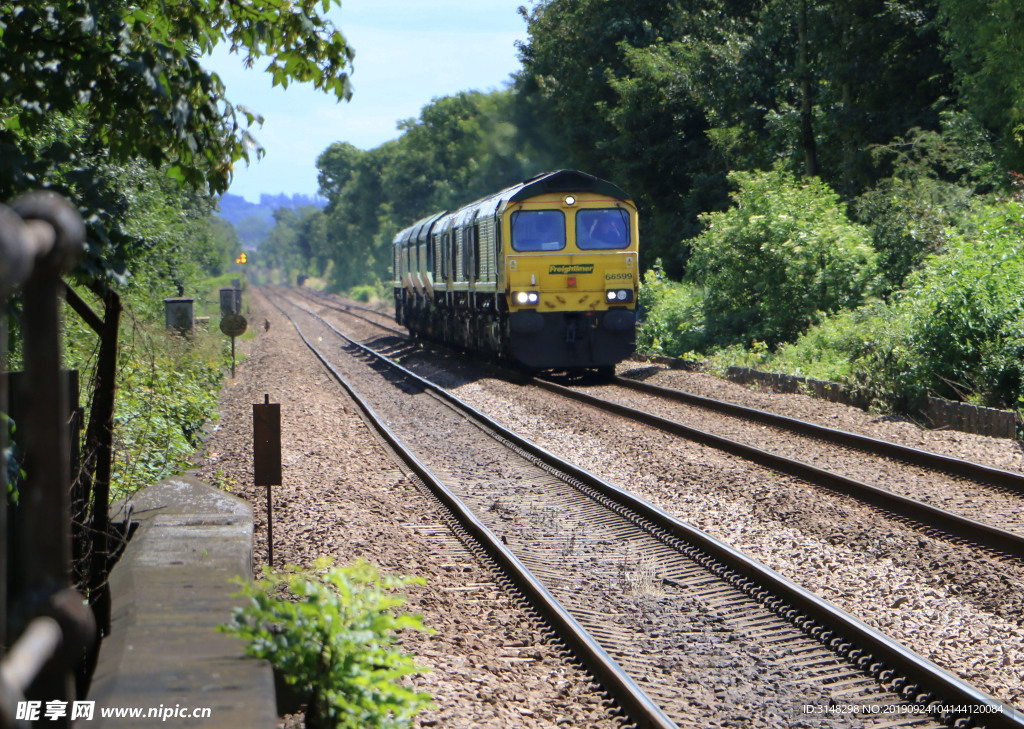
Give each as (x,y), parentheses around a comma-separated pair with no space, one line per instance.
(538,230)
(602,229)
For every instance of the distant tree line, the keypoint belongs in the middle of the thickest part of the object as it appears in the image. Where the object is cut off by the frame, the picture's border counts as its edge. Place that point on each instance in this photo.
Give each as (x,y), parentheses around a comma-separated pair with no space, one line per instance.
(667,98)
(461,147)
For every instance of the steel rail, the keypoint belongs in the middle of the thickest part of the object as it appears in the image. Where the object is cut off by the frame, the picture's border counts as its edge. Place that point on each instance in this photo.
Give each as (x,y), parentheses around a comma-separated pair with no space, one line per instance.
(913,677)
(955,525)
(639,707)
(347,309)
(915,456)
(907,454)
(918,457)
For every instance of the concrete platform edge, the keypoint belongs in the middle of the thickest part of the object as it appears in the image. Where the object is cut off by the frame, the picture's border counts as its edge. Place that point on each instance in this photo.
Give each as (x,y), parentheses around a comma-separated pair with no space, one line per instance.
(171,589)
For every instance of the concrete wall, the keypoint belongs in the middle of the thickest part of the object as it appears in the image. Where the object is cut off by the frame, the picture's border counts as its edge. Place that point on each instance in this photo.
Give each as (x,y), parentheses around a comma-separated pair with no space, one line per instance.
(936,412)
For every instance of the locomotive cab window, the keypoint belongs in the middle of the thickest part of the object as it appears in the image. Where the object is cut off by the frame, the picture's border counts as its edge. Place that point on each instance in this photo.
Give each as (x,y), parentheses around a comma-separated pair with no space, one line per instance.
(602,229)
(538,230)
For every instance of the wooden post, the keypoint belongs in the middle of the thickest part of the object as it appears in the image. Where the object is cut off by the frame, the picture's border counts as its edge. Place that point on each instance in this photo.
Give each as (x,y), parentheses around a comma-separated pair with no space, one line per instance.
(266,433)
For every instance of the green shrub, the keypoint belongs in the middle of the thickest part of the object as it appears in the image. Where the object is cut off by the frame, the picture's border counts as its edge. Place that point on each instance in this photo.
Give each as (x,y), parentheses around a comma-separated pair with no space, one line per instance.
(936,175)
(779,260)
(957,331)
(673,318)
(363,293)
(965,312)
(335,642)
(864,348)
(167,389)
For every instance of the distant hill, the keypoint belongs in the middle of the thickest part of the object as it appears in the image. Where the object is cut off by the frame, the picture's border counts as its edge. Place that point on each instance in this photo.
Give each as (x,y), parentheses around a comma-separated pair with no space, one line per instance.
(253,221)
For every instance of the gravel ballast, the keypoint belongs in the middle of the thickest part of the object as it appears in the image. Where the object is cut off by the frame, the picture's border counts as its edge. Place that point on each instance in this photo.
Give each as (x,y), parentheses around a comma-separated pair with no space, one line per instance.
(344,497)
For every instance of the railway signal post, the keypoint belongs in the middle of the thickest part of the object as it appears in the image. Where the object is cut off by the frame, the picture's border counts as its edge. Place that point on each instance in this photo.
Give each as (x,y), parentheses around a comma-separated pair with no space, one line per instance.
(266,435)
(234,325)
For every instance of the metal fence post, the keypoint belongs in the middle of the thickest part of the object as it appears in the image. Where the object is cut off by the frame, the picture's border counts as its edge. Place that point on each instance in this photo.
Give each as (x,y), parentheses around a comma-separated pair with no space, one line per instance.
(37,250)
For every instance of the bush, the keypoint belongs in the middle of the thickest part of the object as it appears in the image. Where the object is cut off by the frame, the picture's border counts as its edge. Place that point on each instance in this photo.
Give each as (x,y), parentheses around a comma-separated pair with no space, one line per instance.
(362,293)
(864,348)
(936,176)
(965,312)
(957,331)
(779,260)
(335,643)
(167,389)
(673,316)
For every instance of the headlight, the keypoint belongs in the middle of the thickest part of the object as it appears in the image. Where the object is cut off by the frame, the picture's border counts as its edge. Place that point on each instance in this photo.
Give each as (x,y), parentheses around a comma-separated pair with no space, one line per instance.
(524,298)
(618,295)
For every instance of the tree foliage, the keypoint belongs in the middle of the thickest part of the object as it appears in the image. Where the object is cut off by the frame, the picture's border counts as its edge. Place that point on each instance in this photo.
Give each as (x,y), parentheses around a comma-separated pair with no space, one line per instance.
(965,312)
(936,176)
(956,330)
(665,98)
(780,259)
(984,44)
(128,79)
(461,148)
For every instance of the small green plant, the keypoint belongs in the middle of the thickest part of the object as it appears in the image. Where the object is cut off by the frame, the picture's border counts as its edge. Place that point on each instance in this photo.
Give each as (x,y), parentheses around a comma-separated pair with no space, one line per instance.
(363,293)
(223,482)
(332,632)
(673,316)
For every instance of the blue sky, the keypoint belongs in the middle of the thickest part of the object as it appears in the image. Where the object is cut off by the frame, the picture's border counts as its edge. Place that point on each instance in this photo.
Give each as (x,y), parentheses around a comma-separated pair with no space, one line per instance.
(407,53)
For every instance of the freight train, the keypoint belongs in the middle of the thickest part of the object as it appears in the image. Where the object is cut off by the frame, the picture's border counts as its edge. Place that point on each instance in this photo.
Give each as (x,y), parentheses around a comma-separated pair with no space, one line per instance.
(543,274)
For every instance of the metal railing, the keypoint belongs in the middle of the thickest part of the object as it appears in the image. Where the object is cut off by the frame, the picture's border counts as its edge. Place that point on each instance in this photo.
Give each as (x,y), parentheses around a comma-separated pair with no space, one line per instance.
(41,238)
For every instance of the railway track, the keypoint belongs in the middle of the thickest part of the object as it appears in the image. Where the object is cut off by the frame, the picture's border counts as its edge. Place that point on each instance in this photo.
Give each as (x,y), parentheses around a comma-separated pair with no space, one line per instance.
(927,516)
(932,504)
(581,534)
(916,456)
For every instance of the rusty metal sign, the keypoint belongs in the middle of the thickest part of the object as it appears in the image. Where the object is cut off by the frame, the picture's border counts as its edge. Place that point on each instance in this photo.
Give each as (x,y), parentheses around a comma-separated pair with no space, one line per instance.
(266,432)
(266,461)
(234,325)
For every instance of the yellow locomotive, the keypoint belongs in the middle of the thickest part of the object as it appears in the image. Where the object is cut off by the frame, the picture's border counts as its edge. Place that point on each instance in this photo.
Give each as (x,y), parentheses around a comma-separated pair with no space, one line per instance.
(543,273)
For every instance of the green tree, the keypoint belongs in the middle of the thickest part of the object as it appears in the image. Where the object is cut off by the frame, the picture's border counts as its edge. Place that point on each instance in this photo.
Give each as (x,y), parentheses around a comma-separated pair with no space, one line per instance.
(984,44)
(966,314)
(936,177)
(624,114)
(130,77)
(460,148)
(663,98)
(358,202)
(220,245)
(297,242)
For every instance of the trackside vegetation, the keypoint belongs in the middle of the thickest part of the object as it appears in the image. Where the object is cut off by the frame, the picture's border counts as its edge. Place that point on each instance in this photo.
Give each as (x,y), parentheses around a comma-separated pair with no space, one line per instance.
(332,633)
(108,105)
(167,384)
